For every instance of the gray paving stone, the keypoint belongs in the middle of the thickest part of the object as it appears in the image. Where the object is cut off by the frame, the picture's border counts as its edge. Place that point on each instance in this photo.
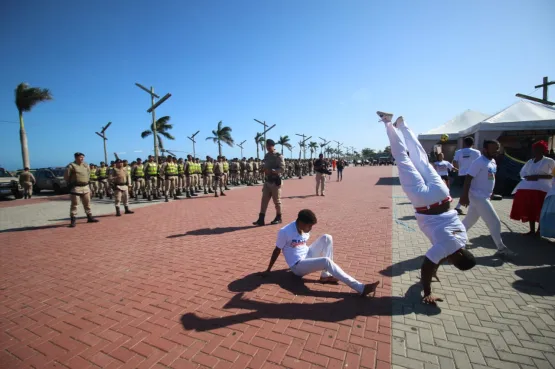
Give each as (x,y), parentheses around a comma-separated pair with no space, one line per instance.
(406,362)
(485,321)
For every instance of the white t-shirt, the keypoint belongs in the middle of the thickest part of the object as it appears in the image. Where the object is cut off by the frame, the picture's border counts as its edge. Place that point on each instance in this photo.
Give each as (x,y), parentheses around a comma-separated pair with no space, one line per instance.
(483,172)
(443,167)
(465,157)
(542,167)
(445,231)
(292,244)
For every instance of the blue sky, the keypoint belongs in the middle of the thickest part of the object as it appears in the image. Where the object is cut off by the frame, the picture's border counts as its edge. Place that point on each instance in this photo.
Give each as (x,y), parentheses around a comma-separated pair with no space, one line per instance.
(317,67)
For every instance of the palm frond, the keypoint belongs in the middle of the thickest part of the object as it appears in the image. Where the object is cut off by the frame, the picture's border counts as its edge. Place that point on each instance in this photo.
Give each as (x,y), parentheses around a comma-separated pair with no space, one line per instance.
(27,97)
(167,135)
(163,120)
(146,133)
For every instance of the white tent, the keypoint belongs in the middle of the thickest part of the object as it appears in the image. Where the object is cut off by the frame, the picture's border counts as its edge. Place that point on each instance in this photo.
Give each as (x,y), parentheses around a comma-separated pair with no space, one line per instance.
(523,115)
(452,128)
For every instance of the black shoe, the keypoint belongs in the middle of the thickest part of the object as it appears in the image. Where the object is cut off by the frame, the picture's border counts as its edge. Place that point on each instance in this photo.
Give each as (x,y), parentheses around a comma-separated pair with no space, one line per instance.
(149,198)
(118,213)
(222,193)
(459,211)
(205,192)
(127,211)
(260,221)
(72,223)
(188,194)
(90,219)
(216,194)
(175,197)
(226,188)
(167,200)
(277,220)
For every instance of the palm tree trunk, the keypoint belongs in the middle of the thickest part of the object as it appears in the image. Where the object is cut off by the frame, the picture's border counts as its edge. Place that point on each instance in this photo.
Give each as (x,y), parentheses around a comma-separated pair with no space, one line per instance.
(24,145)
(220,147)
(257,152)
(281,150)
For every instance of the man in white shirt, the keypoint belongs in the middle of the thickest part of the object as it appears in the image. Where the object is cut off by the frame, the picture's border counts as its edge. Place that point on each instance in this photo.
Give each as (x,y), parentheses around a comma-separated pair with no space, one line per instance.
(430,197)
(478,188)
(303,259)
(463,158)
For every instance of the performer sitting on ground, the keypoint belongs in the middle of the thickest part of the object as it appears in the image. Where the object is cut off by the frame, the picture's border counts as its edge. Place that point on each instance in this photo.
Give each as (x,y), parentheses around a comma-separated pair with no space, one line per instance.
(430,197)
(303,259)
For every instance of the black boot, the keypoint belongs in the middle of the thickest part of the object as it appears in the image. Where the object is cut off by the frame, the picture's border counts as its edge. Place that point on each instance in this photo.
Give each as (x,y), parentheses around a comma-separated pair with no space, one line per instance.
(188,194)
(72,224)
(216,194)
(260,221)
(277,220)
(222,193)
(175,197)
(205,192)
(167,200)
(90,219)
(226,188)
(149,197)
(210,190)
(127,211)
(118,213)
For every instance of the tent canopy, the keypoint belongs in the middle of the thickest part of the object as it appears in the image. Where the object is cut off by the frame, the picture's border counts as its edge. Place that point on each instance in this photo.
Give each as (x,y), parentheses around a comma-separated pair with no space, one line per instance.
(523,115)
(454,126)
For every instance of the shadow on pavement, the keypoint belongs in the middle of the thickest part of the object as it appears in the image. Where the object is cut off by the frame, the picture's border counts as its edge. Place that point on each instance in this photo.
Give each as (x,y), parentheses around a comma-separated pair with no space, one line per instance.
(348,306)
(407,217)
(299,197)
(388,181)
(94,216)
(211,231)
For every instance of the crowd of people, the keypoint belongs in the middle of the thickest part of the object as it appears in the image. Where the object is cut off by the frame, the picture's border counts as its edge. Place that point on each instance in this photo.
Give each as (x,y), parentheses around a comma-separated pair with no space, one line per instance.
(172,177)
(531,195)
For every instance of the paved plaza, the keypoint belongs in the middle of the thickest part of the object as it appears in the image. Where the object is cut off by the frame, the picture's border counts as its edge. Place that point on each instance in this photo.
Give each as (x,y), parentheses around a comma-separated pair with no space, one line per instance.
(175,286)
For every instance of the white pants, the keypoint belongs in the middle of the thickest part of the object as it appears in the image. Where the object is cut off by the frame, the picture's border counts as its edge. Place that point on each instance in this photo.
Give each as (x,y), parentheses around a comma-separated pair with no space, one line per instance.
(418,178)
(320,258)
(480,207)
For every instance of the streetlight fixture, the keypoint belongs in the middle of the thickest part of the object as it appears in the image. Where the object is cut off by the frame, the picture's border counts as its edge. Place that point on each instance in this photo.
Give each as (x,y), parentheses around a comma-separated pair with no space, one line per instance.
(102,134)
(241,146)
(192,138)
(324,144)
(152,108)
(338,145)
(302,145)
(265,130)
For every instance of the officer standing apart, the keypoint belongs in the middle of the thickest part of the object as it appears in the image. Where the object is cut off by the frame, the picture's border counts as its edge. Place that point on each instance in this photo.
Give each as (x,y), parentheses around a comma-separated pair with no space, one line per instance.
(321,168)
(27,180)
(274,165)
(121,179)
(77,175)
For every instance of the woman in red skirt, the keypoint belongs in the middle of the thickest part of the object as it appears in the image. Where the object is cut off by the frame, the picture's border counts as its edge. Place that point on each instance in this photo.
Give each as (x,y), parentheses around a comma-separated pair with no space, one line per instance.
(535,184)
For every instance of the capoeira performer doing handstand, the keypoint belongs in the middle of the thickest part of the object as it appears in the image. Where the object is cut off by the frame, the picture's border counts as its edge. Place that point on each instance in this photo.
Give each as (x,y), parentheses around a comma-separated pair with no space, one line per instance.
(430,197)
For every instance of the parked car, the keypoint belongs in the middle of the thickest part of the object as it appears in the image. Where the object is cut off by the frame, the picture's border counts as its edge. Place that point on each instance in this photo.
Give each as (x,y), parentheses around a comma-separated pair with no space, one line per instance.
(358,162)
(50,179)
(9,185)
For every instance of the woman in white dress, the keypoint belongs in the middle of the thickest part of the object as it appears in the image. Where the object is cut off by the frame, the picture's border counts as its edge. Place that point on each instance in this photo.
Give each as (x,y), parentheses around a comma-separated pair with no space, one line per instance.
(531,191)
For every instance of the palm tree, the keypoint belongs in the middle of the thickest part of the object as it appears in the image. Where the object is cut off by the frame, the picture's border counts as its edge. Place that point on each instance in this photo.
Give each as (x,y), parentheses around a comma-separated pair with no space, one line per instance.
(328,151)
(259,136)
(221,134)
(26,97)
(313,146)
(284,141)
(262,144)
(162,128)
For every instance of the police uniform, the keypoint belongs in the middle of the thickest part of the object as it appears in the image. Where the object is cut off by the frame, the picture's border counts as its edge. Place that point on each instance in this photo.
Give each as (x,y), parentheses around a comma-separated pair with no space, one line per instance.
(138,176)
(151,173)
(226,173)
(170,171)
(208,173)
(180,176)
(274,165)
(218,180)
(103,186)
(77,176)
(93,180)
(26,180)
(120,179)
(249,168)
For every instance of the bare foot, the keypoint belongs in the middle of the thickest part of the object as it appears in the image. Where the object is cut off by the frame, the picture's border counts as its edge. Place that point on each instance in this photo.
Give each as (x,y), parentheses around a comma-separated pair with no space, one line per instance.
(370,288)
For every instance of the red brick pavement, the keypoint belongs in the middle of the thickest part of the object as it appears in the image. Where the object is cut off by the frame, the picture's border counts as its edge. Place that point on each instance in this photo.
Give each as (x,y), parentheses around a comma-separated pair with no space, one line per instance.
(172,286)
